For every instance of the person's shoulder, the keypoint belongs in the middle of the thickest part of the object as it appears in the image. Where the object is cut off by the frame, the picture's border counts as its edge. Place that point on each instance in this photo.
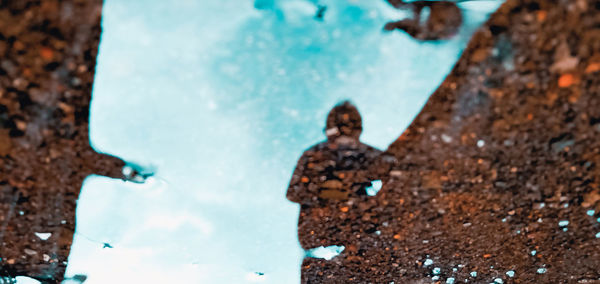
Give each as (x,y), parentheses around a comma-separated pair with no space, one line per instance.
(314,149)
(318,147)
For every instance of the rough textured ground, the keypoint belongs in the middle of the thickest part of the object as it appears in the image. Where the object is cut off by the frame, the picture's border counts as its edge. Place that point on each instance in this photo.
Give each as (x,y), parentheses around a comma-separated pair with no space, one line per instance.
(504,150)
(47,58)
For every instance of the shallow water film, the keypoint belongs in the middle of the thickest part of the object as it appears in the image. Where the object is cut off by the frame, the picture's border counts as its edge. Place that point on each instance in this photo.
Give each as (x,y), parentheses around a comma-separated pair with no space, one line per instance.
(312,141)
(223,107)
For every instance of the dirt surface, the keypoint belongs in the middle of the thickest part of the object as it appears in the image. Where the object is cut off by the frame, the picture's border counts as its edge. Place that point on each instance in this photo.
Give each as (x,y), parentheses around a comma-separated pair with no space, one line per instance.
(503,154)
(48,55)
(499,173)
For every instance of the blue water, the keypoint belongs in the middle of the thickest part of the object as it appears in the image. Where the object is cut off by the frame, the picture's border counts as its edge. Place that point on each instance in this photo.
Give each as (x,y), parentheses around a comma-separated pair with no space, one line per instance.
(220,98)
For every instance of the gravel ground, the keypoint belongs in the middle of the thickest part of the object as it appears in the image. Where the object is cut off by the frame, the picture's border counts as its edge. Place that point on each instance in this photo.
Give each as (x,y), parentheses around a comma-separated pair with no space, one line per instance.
(46,70)
(499,173)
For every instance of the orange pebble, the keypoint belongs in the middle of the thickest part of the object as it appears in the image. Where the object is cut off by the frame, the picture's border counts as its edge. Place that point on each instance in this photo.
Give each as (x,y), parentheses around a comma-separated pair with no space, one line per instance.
(396,236)
(304,179)
(344,209)
(593,67)
(487,255)
(541,15)
(566,80)
(46,53)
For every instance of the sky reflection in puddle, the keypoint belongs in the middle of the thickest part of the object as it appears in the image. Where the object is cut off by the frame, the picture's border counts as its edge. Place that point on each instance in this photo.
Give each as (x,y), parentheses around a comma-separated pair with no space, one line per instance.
(220,99)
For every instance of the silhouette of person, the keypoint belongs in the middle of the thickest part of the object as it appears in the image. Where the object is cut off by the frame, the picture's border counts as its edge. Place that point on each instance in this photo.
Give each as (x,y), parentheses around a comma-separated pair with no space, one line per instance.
(330,182)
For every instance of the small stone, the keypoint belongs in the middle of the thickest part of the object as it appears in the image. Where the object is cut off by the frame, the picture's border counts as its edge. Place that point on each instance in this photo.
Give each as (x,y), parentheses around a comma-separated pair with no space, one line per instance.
(541,15)
(5,142)
(479,55)
(333,194)
(446,138)
(332,131)
(396,173)
(332,184)
(20,83)
(21,125)
(30,252)
(563,61)
(43,236)
(566,80)
(46,53)
(75,81)
(592,67)
(590,199)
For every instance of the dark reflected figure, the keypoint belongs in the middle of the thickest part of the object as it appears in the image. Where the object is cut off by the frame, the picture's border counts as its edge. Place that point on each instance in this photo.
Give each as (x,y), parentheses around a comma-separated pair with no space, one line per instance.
(443,21)
(330,183)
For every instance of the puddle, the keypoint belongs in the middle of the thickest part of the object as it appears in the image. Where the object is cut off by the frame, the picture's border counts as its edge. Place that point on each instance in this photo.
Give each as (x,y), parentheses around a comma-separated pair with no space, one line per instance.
(374,188)
(221,99)
(326,253)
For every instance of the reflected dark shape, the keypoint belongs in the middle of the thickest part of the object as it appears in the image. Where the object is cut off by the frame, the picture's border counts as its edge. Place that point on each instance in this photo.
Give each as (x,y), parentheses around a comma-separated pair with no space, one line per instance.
(321,9)
(45,153)
(498,176)
(329,183)
(443,20)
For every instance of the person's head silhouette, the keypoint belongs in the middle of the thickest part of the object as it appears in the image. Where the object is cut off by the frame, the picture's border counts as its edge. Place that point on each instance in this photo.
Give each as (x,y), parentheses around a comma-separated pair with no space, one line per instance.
(344,122)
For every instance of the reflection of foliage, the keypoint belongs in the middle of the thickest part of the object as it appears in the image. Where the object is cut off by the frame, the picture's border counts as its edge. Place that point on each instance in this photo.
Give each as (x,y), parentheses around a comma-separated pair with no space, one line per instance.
(443,20)
(279,5)
(264,4)
(270,4)
(431,20)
